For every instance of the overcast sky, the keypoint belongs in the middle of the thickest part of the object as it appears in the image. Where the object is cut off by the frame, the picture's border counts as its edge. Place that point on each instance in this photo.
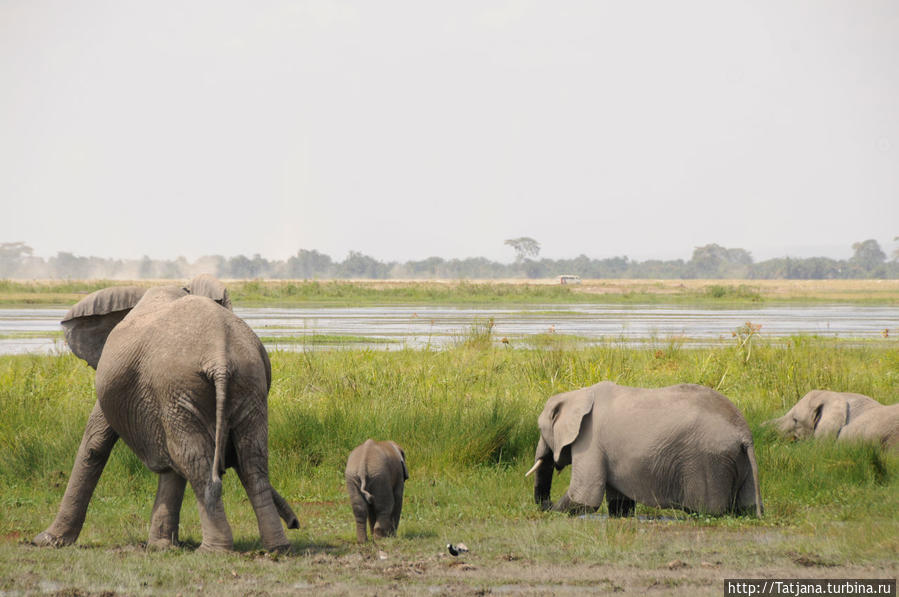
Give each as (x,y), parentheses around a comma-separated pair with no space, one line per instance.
(410,129)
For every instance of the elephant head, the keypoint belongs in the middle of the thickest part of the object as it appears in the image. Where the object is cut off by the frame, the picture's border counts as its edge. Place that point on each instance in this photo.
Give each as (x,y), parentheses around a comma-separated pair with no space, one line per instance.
(821,413)
(560,425)
(206,285)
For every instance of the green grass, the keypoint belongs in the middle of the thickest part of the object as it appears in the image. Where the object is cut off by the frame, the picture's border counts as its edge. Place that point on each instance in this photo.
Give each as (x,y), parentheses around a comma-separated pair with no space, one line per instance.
(466,417)
(741,292)
(31,334)
(257,293)
(556,341)
(326,339)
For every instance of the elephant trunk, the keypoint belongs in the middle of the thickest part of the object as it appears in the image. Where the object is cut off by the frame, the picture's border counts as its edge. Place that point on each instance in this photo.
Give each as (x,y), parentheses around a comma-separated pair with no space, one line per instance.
(780,425)
(543,480)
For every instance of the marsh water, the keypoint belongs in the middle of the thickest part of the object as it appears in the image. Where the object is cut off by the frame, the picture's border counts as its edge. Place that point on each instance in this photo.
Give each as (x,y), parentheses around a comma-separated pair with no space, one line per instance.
(422,326)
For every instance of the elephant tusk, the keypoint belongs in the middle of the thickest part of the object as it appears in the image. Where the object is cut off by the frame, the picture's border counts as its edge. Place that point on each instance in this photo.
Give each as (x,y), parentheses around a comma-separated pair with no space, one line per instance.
(533,468)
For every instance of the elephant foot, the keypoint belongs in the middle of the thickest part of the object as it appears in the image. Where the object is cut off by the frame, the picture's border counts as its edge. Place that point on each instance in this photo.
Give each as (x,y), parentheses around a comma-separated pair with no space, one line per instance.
(285,548)
(46,539)
(567,506)
(580,509)
(214,548)
(161,544)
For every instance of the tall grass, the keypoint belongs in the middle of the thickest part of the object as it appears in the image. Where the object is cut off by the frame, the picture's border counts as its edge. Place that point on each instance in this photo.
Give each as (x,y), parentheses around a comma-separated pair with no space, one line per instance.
(466,417)
(473,404)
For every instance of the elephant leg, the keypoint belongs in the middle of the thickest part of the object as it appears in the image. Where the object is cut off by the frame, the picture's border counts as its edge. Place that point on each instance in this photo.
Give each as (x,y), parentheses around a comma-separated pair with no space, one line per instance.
(588,481)
(166,511)
(252,470)
(194,457)
(619,504)
(360,510)
(571,507)
(361,524)
(383,526)
(397,507)
(216,530)
(96,445)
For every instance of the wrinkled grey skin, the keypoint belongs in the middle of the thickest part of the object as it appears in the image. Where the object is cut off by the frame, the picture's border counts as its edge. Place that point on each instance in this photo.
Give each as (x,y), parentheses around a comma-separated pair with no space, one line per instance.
(375,475)
(683,446)
(184,382)
(843,415)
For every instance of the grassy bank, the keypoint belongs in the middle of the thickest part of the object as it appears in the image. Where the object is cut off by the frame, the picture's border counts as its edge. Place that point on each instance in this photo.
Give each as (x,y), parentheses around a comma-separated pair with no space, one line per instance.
(467,420)
(255,293)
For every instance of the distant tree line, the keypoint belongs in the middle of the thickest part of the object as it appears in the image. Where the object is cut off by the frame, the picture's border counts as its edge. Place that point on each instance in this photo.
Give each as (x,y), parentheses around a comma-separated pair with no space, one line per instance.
(17,260)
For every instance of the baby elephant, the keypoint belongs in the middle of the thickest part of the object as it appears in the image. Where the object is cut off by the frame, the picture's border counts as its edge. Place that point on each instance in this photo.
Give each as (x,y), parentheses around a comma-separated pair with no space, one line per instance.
(375,475)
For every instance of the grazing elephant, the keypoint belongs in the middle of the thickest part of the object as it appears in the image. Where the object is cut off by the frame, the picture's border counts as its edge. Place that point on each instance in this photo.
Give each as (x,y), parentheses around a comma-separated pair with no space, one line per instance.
(375,475)
(184,382)
(683,446)
(844,415)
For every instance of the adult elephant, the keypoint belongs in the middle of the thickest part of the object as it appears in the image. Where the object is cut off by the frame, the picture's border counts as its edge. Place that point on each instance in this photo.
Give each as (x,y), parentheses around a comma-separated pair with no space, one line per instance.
(842,415)
(683,446)
(184,382)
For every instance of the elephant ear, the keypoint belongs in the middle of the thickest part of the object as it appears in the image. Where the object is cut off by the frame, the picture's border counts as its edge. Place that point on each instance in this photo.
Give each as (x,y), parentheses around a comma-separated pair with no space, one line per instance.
(562,417)
(402,455)
(88,323)
(206,285)
(830,413)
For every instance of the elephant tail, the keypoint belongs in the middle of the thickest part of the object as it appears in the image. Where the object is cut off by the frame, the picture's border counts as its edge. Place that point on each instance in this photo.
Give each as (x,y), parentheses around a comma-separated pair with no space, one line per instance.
(365,494)
(362,473)
(750,453)
(220,379)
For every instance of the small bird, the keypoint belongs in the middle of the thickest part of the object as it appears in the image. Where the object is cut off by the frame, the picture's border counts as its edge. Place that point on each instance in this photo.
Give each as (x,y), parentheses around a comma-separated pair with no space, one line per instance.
(456,549)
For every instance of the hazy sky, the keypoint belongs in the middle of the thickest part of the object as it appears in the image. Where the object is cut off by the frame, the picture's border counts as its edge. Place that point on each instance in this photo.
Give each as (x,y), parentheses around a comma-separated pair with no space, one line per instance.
(410,129)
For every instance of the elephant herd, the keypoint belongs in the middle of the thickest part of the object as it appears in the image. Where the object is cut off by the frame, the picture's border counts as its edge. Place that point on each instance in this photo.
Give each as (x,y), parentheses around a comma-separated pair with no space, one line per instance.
(184,383)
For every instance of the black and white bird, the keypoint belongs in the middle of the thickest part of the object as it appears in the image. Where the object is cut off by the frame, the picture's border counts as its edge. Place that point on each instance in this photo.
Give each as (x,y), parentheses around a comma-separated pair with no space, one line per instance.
(456,549)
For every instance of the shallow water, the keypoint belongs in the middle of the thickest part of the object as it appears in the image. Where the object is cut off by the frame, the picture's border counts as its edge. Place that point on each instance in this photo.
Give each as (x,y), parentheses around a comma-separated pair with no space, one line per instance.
(438,326)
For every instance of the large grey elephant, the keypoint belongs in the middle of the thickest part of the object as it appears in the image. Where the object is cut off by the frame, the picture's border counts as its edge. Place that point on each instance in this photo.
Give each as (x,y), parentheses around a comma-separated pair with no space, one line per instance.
(184,382)
(842,415)
(376,473)
(683,446)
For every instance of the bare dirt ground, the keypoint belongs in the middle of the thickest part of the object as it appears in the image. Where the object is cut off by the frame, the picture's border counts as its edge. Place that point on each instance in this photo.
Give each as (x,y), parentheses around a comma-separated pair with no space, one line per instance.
(443,575)
(665,559)
(363,572)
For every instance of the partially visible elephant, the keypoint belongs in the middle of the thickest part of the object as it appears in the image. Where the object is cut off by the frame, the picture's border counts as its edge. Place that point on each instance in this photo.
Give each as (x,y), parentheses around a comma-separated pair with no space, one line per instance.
(206,285)
(683,446)
(375,474)
(184,382)
(876,425)
(843,415)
